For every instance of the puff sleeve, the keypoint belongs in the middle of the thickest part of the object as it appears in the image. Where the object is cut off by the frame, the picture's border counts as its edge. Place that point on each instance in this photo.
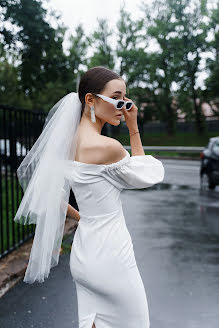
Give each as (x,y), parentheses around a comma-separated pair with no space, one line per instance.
(134,172)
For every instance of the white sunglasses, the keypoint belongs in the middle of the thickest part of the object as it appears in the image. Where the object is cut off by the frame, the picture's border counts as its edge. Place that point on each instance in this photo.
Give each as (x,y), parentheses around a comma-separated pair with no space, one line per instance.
(118,104)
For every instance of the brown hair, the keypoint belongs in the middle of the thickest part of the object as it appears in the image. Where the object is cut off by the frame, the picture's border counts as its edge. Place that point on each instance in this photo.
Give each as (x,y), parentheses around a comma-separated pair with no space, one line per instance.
(94,81)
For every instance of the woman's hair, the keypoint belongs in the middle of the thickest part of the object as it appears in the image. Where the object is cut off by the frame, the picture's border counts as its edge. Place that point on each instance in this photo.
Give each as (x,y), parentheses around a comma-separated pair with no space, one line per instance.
(94,81)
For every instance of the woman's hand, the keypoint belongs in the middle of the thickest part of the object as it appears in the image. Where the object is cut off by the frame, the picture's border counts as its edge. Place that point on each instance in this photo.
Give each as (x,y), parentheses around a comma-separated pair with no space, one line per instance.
(73,213)
(130,115)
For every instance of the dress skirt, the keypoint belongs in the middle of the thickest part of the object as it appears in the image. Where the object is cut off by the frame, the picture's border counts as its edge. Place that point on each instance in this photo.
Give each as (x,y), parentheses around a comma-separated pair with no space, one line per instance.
(109,287)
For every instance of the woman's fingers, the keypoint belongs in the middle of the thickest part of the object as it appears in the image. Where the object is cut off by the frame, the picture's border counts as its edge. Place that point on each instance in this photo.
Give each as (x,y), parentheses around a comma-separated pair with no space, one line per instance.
(130,115)
(133,106)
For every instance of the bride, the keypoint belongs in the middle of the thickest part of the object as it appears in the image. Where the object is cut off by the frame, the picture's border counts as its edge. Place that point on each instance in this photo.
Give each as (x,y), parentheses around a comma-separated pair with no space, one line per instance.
(72,154)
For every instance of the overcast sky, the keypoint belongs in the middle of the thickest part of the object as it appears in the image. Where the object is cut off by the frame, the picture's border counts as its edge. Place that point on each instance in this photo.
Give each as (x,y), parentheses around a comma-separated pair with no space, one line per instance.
(87,11)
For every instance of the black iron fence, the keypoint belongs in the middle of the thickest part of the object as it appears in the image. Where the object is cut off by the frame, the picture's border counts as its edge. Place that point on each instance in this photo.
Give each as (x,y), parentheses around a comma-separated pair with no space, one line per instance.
(19,129)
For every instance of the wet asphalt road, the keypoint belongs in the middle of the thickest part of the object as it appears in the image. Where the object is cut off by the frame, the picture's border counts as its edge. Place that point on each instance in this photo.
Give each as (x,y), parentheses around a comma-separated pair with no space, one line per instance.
(175,232)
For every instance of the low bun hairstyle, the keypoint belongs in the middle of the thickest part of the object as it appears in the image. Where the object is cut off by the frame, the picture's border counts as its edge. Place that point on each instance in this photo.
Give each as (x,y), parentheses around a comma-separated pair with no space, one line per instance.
(94,81)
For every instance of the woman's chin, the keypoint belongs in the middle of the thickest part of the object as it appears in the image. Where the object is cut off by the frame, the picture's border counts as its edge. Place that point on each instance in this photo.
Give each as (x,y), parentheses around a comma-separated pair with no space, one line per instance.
(117,121)
(114,122)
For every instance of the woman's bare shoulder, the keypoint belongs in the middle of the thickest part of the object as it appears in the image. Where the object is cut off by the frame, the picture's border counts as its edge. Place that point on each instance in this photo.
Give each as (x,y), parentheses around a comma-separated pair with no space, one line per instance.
(105,150)
(111,150)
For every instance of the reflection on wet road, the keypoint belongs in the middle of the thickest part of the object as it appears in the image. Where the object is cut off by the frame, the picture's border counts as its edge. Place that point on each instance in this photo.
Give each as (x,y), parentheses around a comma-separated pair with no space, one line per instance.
(175,232)
(183,172)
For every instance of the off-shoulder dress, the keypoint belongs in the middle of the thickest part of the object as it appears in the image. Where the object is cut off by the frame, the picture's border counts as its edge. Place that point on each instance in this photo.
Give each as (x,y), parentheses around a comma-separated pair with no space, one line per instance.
(110,291)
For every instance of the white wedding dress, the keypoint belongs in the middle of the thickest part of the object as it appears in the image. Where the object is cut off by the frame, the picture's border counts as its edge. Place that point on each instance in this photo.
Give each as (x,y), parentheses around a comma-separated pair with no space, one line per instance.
(110,291)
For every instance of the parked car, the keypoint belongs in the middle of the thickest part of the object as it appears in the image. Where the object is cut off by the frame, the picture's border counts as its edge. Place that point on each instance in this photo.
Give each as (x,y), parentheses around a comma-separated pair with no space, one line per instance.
(209,169)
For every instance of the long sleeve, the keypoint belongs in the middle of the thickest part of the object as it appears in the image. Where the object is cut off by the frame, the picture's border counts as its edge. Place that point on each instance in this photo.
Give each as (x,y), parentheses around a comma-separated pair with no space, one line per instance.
(134,172)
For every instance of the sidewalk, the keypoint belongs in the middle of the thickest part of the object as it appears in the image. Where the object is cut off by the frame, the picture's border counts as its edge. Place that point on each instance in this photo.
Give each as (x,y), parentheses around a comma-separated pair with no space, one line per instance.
(13,266)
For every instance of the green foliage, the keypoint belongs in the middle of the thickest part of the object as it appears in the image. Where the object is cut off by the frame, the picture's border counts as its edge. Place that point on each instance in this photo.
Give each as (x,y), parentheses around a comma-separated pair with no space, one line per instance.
(100,41)
(35,72)
(180,31)
(41,55)
(186,139)
(212,82)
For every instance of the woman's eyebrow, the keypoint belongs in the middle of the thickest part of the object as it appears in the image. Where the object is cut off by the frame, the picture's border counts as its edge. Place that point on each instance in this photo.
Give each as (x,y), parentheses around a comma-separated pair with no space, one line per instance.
(118,92)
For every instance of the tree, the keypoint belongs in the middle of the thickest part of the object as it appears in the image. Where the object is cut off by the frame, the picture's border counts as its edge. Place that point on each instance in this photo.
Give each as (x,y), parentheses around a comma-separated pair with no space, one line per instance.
(162,70)
(133,60)
(40,54)
(131,56)
(77,55)
(100,42)
(191,29)
(212,82)
(180,29)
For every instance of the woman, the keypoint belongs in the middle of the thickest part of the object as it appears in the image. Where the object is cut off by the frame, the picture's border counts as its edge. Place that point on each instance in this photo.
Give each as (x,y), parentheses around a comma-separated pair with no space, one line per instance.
(109,287)
(72,153)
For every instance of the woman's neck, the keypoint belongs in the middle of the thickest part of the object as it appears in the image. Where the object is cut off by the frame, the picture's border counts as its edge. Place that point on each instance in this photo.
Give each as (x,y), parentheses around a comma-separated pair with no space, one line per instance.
(88,124)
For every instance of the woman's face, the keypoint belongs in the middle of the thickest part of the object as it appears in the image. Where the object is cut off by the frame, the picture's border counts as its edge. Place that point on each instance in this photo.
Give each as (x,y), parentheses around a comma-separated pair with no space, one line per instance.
(106,112)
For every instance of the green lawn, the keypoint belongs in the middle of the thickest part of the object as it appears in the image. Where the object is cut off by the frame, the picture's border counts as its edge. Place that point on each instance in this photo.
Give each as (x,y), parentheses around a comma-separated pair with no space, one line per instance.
(180,139)
(162,139)
(11,231)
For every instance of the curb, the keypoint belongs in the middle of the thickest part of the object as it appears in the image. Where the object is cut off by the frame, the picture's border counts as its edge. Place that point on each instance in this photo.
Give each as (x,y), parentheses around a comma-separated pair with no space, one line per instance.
(14,265)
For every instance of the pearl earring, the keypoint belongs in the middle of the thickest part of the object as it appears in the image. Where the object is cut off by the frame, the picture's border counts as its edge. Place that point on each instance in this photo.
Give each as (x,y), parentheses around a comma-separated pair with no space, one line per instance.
(93,118)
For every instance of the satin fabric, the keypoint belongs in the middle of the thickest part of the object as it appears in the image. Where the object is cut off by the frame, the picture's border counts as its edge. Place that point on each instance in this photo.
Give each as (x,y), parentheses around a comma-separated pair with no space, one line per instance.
(110,291)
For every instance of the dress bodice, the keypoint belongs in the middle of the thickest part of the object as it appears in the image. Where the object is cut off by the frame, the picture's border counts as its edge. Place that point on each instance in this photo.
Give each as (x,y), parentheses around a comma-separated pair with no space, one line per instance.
(97,187)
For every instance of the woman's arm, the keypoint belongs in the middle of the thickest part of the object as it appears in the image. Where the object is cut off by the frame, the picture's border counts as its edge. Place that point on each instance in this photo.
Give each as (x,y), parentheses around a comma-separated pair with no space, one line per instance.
(135,141)
(132,124)
(73,213)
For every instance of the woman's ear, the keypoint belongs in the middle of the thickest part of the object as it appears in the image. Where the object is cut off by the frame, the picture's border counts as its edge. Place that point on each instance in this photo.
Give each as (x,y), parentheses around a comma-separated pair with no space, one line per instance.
(89,99)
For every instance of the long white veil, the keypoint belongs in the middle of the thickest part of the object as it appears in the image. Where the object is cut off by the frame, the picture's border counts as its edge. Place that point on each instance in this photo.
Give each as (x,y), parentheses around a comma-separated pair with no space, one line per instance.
(46,191)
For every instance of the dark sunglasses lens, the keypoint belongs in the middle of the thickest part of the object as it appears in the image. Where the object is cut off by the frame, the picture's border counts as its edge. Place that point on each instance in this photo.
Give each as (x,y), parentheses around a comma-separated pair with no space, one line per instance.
(120,104)
(128,105)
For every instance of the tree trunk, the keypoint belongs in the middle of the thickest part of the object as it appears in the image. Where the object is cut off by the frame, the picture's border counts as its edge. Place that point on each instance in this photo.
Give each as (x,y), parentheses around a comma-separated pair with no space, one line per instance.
(170,114)
(199,121)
